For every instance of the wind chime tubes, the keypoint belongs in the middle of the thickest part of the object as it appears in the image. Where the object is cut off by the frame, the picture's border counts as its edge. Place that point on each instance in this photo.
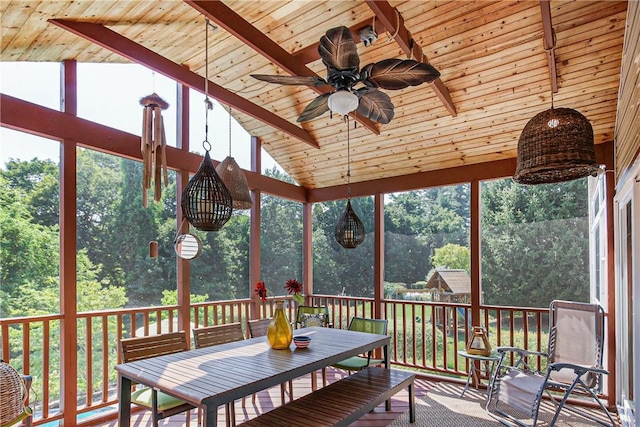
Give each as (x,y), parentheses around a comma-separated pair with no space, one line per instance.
(153,146)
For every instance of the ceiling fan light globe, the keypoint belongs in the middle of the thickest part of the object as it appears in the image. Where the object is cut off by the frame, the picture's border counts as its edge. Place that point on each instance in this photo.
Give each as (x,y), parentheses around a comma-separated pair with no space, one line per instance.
(342,102)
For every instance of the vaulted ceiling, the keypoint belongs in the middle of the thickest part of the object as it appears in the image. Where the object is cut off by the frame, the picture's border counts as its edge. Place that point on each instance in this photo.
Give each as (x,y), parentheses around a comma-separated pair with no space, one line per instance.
(499,61)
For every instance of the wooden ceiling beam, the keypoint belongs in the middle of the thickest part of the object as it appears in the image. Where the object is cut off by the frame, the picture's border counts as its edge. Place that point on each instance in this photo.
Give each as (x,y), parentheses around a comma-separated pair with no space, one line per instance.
(234,24)
(549,39)
(23,116)
(137,53)
(392,20)
(310,53)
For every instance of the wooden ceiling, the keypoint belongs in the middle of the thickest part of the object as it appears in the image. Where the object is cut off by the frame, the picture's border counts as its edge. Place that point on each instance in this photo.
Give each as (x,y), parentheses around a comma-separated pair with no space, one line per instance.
(495,71)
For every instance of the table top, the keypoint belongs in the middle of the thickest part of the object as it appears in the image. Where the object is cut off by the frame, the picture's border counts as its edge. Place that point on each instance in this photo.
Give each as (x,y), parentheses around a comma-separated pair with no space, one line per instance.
(493,356)
(223,373)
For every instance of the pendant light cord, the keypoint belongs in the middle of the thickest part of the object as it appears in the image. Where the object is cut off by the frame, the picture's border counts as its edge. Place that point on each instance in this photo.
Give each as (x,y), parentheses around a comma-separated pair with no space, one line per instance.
(346,119)
(229,131)
(207,101)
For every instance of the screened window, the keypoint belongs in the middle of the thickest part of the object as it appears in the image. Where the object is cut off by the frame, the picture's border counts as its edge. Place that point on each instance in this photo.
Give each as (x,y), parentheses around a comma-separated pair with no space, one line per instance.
(535,243)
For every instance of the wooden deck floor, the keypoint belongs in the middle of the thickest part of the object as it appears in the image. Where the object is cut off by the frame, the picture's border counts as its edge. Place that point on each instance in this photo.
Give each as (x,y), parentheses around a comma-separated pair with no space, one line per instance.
(268,399)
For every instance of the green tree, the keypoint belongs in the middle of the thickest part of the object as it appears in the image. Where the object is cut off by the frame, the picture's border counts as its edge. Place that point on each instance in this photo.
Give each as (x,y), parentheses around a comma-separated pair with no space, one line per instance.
(336,268)
(28,251)
(535,243)
(452,256)
(39,182)
(417,223)
(281,239)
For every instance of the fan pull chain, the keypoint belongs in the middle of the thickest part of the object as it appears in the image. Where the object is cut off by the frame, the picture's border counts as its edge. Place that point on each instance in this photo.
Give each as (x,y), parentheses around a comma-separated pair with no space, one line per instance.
(346,119)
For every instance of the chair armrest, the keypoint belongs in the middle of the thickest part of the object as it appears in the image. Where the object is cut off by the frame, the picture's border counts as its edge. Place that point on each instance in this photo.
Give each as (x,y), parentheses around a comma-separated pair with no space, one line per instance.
(578,369)
(521,361)
(522,352)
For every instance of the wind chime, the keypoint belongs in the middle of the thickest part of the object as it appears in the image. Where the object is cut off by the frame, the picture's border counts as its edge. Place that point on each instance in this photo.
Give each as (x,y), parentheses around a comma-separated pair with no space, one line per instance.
(153,147)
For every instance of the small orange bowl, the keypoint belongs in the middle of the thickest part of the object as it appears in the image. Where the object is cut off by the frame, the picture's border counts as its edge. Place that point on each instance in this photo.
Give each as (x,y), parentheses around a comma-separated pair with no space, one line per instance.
(302,341)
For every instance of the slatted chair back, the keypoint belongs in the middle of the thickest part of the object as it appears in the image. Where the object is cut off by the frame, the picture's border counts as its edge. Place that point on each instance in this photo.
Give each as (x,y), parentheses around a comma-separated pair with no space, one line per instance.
(161,404)
(372,326)
(139,348)
(217,334)
(209,336)
(258,328)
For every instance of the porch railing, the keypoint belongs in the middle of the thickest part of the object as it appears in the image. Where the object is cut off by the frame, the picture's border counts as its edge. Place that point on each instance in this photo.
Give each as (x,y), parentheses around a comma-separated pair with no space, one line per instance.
(425,336)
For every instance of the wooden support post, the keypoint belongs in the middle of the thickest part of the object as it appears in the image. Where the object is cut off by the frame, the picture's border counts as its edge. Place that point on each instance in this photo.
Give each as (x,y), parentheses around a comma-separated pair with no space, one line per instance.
(182,178)
(307,250)
(68,250)
(254,235)
(378,256)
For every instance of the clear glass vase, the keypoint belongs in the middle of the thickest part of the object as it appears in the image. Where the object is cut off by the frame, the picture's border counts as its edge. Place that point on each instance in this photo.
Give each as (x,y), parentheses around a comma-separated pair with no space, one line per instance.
(280,332)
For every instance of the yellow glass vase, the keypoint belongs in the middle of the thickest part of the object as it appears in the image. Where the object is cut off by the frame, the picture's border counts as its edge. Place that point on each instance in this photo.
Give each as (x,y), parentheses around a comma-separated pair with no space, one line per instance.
(280,332)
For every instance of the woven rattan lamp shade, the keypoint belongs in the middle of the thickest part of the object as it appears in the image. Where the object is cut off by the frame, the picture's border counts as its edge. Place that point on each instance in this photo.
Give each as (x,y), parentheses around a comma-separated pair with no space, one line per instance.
(349,230)
(556,145)
(206,202)
(236,183)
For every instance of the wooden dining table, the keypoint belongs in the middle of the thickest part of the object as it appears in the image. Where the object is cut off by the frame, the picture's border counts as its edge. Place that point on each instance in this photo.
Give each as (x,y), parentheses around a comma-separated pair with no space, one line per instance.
(213,376)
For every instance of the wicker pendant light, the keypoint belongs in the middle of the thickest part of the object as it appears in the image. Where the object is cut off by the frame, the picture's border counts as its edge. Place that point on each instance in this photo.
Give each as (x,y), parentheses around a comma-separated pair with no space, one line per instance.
(556,145)
(349,230)
(234,178)
(206,201)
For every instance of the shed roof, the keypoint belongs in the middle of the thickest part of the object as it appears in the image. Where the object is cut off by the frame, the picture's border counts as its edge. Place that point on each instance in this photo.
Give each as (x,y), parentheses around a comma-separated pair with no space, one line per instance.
(451,281)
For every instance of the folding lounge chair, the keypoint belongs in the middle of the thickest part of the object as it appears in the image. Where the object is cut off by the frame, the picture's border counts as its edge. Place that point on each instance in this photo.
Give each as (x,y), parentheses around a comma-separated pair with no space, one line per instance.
(573,366)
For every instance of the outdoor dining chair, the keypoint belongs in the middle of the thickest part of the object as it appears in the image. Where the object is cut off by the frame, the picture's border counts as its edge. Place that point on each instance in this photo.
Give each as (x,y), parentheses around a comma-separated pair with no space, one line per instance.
(215,335)
(161,404)
(259,328)
(308,316)
(573,366)
(372,326)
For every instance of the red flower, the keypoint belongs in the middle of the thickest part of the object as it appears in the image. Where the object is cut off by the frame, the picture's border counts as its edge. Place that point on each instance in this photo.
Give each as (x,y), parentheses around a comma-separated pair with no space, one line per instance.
(293,286)
(261,290)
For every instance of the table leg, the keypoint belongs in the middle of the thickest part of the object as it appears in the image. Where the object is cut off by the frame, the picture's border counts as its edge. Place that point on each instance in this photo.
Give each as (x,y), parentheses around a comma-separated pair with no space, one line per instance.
(124,407)
(210,416)
(472,369)
(412,404)
(387,365)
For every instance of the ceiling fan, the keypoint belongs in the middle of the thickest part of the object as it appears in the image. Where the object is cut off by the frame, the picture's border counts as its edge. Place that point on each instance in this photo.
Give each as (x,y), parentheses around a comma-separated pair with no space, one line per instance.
(338,52)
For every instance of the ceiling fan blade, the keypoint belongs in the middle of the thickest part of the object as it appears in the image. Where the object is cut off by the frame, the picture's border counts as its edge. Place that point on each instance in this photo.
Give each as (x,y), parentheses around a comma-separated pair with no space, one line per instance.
(374,105)
(338,50)
(316,108)
(397,73)
(291,80)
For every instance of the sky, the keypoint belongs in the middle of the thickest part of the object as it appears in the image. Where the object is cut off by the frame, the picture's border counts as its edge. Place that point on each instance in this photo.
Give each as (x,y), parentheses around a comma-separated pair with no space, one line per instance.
(110,94)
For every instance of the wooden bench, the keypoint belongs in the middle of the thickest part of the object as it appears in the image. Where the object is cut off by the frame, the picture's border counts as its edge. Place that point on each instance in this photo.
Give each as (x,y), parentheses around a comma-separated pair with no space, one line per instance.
(342,402)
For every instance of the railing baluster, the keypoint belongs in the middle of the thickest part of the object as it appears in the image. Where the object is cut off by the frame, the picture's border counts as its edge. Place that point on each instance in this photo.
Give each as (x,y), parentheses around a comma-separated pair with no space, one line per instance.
(105,359)
(88,360)
(46,362)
